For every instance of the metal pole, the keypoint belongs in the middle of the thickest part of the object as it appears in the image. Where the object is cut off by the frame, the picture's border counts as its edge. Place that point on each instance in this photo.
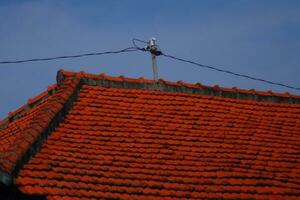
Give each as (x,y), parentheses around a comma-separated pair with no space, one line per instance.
(154,67)
(153,49)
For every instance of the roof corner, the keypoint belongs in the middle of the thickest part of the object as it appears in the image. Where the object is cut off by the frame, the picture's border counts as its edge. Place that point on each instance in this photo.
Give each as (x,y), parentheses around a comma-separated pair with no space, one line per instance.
(28,140)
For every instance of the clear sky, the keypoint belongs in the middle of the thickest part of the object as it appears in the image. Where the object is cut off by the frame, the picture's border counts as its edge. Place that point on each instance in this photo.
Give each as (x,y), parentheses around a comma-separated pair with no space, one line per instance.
(259,37)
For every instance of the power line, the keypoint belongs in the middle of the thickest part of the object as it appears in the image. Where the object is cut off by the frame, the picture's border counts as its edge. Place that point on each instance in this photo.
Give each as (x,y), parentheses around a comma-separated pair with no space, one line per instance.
(230,72)
(129,49)
(137,48)
(134,40)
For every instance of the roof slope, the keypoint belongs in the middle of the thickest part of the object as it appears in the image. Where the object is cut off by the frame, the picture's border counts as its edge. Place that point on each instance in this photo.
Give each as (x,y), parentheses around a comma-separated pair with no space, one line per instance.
(135,139)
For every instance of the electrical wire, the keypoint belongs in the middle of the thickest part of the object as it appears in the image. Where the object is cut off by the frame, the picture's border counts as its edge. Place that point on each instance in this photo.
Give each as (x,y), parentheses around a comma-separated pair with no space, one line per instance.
(129,49)
(134,40)
(230,72)
(137,48)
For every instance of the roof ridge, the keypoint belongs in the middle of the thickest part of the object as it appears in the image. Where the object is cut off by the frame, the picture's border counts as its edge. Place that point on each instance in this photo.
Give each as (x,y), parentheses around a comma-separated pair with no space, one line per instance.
(31,103)
(33,135)
(180,86)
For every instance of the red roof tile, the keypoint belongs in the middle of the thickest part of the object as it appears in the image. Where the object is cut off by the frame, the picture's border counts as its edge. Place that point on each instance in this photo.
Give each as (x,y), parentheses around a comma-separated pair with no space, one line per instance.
(120,138)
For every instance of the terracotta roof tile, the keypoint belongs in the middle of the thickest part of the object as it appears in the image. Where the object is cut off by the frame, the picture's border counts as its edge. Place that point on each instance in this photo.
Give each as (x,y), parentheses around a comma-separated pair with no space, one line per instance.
(165,140)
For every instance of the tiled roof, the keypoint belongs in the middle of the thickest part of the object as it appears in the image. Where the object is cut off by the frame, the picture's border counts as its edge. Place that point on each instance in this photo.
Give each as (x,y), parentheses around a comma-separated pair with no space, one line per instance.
(102,137)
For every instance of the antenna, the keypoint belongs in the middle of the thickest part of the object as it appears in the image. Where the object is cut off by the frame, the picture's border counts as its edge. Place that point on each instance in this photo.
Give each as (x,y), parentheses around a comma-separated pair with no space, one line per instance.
(152,47)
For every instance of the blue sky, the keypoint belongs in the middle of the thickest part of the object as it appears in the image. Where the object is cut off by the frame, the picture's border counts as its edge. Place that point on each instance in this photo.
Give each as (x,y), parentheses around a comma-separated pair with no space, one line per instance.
(259,37)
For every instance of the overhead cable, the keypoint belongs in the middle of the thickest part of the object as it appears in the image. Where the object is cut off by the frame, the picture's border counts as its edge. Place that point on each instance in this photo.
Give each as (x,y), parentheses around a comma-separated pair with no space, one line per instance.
(134,40)
(137,48)
(129,49)
(230,72)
